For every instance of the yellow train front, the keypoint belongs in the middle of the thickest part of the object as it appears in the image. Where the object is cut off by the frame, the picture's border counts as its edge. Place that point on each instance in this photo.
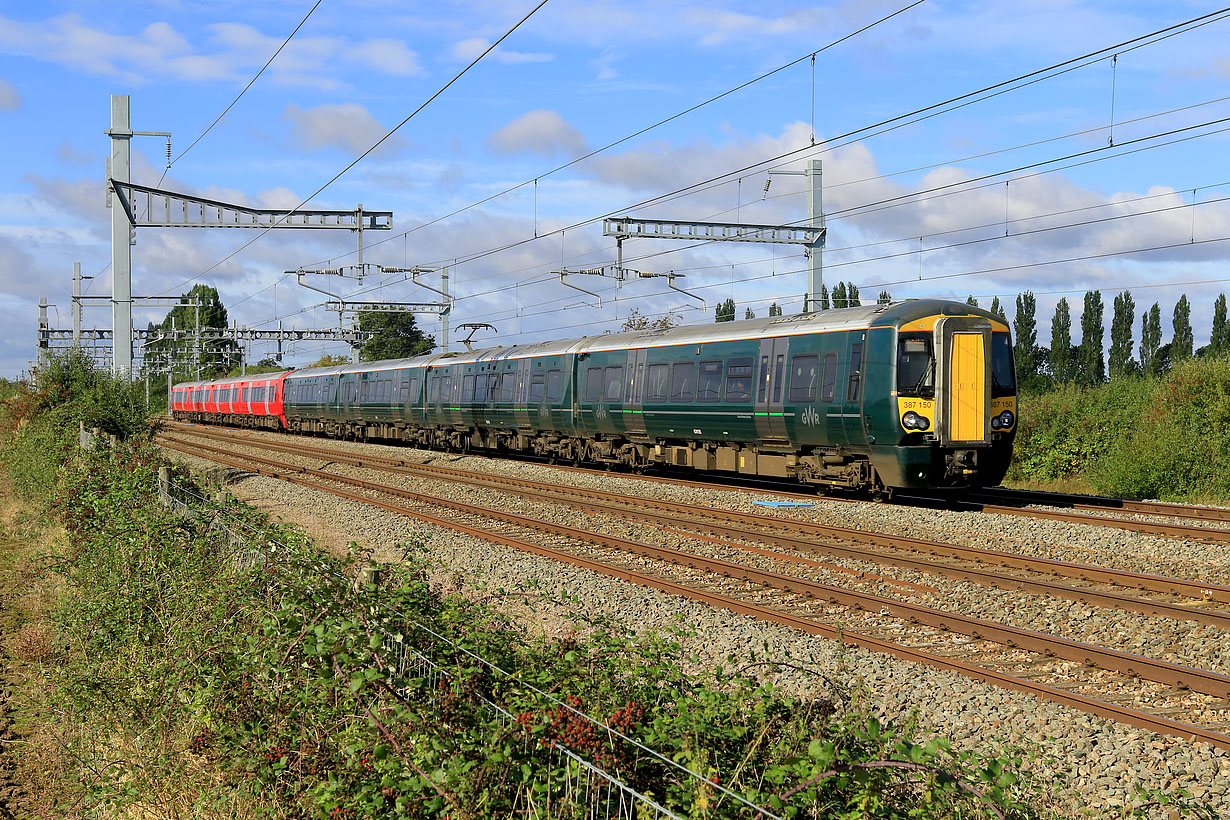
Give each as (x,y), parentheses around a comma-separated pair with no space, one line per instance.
(947,405)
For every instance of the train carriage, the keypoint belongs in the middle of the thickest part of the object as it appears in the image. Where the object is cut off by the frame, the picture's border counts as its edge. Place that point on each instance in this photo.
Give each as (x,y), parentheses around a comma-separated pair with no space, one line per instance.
(911,394)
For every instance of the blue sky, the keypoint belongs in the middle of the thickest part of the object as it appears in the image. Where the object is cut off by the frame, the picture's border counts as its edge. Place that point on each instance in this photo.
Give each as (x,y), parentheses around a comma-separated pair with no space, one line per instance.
(578,76)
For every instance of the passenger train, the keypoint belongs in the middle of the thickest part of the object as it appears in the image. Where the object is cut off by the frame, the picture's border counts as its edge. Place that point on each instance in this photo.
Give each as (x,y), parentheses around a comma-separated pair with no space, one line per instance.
(915,394)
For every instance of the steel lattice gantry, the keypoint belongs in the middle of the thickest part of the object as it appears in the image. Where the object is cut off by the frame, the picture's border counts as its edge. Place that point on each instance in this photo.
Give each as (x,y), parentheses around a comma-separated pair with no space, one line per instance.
(144,207)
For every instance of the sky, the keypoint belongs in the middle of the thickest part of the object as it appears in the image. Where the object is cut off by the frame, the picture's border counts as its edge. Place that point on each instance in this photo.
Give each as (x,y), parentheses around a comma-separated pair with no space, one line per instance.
(1107,174)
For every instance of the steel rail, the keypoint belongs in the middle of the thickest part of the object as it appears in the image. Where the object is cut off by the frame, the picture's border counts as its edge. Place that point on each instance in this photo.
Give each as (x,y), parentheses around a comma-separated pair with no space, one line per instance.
(1111,711)
(1164,672)
(1085,572)
(1143,527)
(1096,503)
(1170,530)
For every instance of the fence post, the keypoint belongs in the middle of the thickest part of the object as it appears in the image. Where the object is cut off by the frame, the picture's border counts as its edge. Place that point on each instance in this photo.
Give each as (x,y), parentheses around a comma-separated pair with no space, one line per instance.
(368,575)
(164,483)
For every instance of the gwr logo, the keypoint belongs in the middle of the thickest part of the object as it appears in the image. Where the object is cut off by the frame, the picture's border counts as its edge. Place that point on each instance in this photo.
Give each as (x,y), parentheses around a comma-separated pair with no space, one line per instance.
(810,417)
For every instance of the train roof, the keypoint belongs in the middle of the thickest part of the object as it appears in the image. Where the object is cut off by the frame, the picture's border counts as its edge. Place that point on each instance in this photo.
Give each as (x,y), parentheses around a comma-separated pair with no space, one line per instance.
(232,380)
(893,314)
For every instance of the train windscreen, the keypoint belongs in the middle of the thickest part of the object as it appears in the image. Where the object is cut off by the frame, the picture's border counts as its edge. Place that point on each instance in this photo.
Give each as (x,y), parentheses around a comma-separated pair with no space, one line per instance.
(915,365)
(1003,373)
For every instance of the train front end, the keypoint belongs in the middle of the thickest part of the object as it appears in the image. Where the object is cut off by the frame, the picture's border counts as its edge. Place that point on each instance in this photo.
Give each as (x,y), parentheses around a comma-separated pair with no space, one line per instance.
(955,400)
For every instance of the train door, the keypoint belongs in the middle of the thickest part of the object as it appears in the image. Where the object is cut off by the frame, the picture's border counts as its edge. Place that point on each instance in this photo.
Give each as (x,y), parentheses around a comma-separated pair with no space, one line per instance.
(771,375)
(634,394)
(852,408)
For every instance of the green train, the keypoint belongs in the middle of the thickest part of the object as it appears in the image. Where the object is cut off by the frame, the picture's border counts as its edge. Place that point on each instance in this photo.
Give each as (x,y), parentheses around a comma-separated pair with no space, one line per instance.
(913,394)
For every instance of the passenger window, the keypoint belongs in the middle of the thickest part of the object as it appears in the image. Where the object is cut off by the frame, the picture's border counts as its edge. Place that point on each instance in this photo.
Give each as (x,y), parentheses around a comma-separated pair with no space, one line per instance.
(709,385)
(554,380)
(803,378)
(856,374)
(777,378)
(537,387)
(413,392)
(433,390)
(739,380)
(467,389)
(828,382)
(683,382)
(658,374)
(593,384)
(508,387)
(614,379)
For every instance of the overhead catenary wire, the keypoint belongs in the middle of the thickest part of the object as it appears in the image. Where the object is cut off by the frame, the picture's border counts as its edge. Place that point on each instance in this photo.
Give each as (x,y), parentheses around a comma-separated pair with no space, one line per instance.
(376,145)
(893,122)
(534,181)
(226,110)
(981,240)
(917,197)
(880,127)
(1023,266)
(867,205)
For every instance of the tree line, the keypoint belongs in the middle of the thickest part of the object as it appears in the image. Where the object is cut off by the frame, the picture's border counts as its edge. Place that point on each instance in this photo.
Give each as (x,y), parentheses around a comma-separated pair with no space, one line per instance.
(1087,362)
(1066,362)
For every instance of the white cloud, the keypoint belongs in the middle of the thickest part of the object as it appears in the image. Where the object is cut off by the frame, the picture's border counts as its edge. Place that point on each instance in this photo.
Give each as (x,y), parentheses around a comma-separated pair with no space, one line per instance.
(348,126)
(387,55)
(467,50)
(159,51)
(10,99)
(723,25)
(538,132)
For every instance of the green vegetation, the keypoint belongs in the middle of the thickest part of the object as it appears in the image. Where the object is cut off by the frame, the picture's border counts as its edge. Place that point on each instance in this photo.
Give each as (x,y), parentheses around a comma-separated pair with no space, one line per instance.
(396,335)
(1164,436)
(185,673)
(256,680)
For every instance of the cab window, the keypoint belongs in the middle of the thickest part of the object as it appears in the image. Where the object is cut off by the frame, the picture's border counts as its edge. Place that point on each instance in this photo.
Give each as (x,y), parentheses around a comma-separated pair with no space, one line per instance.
(1003,372)
(915,365)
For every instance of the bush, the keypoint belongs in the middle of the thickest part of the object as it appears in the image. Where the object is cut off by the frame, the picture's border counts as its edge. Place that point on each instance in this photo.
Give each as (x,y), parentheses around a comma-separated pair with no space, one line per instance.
(1160,437)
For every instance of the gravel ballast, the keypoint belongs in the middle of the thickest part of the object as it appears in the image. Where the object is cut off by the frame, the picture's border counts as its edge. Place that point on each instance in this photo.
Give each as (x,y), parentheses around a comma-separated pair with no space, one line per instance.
(1102,762)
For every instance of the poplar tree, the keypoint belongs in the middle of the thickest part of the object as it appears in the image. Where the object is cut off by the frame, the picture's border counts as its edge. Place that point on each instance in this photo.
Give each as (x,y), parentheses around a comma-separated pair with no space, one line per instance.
(1091,356)
(1121,362)
(1181,346)
(725,311)
(839,295)
(1219,341)
(852,295)
(1061,343)
(775,310)
(884,298)
(749,314)
(971,301)
(998,310)
(824,297)
(1150,340)
(1025,349)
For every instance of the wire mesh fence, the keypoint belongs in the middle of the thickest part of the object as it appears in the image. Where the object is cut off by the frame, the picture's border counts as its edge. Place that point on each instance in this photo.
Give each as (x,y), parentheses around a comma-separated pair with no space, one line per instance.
(569,784)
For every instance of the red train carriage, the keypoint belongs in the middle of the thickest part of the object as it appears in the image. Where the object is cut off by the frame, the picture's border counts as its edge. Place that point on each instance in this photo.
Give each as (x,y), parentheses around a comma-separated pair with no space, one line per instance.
(246,401)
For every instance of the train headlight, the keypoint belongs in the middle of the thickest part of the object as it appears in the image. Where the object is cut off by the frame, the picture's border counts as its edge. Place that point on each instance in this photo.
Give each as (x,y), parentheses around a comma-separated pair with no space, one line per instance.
(996,423)
(1006,418)
(923,423)
(910,419)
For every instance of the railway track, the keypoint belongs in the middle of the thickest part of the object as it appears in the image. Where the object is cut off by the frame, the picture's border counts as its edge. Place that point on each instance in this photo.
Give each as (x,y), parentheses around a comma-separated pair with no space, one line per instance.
(1098,586)
(792,596)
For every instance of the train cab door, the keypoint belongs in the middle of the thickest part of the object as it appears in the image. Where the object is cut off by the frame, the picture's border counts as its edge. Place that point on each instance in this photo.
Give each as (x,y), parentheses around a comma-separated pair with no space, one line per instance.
(634,395)
(852,390)
(770,396)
